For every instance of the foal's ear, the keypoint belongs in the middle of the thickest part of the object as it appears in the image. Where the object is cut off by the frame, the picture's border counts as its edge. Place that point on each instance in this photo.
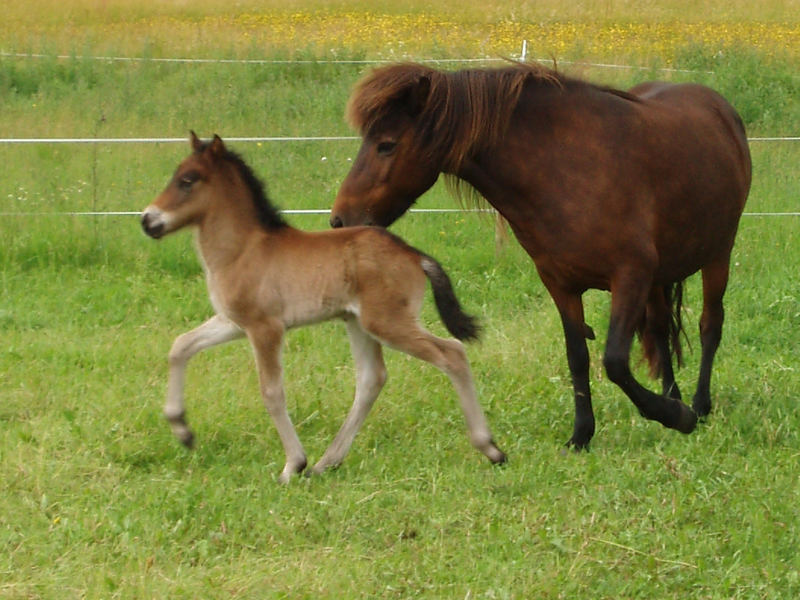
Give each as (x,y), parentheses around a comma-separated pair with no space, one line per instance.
(217,146)
(195,141)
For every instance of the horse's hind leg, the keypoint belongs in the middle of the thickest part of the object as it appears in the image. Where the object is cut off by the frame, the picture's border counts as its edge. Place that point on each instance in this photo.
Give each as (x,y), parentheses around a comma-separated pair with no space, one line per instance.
(217,330)
(370,377)
(449,356)
(715,281)
(628,300)
(655,339)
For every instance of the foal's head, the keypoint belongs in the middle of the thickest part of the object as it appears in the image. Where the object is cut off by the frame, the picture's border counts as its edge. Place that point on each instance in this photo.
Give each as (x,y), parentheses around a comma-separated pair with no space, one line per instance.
(208,177)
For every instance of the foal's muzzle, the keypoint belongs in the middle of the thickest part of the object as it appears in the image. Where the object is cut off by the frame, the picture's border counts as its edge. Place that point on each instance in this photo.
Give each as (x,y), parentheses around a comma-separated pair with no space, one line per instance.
(153,223)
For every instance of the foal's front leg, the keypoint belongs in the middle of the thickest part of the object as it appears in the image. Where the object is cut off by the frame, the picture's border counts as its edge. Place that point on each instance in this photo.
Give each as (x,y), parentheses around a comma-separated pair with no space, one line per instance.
(266,339)
(217,330)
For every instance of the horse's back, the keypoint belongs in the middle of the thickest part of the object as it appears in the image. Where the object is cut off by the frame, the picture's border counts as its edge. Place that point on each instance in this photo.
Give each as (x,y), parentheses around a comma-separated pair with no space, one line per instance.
(708,110)
(704,138)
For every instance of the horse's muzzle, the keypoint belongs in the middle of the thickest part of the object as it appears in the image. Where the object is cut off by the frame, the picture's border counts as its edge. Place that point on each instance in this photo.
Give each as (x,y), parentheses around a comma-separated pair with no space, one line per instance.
(336,222)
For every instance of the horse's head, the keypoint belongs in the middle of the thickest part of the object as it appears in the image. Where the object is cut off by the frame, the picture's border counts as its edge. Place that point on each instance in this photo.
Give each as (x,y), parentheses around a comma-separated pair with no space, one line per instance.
(394,165)
(187,196)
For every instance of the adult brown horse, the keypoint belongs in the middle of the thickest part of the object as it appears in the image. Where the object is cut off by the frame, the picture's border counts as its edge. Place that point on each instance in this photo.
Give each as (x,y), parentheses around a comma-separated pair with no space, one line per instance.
(630,192)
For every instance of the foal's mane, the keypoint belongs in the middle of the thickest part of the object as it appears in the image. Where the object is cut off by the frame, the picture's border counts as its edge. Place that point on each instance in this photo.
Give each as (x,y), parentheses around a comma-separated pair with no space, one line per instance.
(268,214)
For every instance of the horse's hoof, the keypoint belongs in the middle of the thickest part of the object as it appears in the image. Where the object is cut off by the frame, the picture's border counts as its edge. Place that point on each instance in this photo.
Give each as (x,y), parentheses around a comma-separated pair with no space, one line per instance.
(577,445)
(701,406)
(673,392)
(688,419)
(582,433)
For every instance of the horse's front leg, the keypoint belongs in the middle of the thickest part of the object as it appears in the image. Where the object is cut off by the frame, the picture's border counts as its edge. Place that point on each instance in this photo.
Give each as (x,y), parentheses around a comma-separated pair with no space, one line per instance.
(217,330)
(266,339)
(629,293)
(570,308)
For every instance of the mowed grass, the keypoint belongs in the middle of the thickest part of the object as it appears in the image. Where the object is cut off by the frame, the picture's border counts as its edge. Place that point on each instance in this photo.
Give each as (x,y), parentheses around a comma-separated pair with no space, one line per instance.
(99,500)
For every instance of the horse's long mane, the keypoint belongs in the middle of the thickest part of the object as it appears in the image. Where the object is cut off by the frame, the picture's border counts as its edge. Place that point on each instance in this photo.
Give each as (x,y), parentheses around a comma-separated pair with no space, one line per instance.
(461,112)
(268,214)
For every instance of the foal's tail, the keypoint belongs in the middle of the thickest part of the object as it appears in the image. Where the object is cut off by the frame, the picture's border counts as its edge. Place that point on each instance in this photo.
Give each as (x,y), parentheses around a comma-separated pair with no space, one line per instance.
(673,295)
(461,325)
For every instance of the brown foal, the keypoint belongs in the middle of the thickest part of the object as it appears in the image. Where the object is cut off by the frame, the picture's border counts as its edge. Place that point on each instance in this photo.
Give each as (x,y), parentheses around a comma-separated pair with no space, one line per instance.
(265,277)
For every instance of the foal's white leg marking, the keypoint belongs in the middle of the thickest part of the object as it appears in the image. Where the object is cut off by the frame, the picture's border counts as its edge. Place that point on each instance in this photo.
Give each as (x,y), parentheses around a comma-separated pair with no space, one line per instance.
(217,330)
(456,366)
(450,357)
(266,340)
(370,377)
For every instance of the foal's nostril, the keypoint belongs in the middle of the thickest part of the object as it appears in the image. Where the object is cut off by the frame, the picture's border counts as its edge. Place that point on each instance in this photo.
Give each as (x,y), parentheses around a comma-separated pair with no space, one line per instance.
(336,222)
(151,226)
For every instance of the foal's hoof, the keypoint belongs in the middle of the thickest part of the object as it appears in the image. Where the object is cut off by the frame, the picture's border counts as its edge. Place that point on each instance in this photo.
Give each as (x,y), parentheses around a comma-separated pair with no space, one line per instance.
(497,456)
(321,467)
(187,439)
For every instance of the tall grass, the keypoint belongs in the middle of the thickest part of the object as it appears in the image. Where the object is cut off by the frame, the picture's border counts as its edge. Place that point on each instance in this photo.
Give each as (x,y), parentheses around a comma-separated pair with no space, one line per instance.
(99,501)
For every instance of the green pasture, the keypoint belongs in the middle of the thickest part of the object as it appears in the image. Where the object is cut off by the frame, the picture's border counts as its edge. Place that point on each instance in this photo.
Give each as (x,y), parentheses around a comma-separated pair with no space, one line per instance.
(98,500)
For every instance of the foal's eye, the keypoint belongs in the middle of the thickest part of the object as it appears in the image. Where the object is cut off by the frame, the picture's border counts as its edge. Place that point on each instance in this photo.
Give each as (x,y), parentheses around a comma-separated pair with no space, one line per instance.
(386,148)
(187,180)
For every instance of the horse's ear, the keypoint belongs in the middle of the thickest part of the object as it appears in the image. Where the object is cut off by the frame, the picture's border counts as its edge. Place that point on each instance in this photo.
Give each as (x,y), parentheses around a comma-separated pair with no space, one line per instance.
(418,94)
(195,141)
(217,146)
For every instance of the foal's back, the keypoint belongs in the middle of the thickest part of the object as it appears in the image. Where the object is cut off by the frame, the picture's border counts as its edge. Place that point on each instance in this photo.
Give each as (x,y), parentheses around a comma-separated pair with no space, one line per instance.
(304,277)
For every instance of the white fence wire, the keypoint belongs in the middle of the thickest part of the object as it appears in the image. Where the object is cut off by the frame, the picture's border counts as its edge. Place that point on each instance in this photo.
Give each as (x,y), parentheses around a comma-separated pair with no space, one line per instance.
(295,139)
(377,61)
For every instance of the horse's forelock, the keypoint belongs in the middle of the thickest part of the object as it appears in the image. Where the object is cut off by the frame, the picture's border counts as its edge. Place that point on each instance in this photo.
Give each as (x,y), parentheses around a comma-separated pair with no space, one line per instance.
(380,92)
(464,112)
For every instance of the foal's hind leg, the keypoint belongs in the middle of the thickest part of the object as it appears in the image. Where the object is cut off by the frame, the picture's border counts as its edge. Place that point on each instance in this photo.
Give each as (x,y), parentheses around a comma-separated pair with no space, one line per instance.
(715,281)
(449,356)
(370,377)
(217,330)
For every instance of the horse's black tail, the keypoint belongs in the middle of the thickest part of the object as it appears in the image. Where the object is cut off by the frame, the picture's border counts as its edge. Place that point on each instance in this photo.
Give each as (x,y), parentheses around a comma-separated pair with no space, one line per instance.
(673,295)
(461,325)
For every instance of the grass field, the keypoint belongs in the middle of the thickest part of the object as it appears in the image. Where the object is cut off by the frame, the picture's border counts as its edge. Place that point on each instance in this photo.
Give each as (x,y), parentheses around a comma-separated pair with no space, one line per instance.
(99,501)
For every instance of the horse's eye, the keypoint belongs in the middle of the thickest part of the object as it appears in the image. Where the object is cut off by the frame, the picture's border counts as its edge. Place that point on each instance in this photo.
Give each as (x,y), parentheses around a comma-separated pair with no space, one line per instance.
(386,148)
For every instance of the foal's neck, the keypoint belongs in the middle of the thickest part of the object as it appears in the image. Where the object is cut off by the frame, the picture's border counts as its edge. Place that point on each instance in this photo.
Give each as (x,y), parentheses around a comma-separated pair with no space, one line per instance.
(228,228)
